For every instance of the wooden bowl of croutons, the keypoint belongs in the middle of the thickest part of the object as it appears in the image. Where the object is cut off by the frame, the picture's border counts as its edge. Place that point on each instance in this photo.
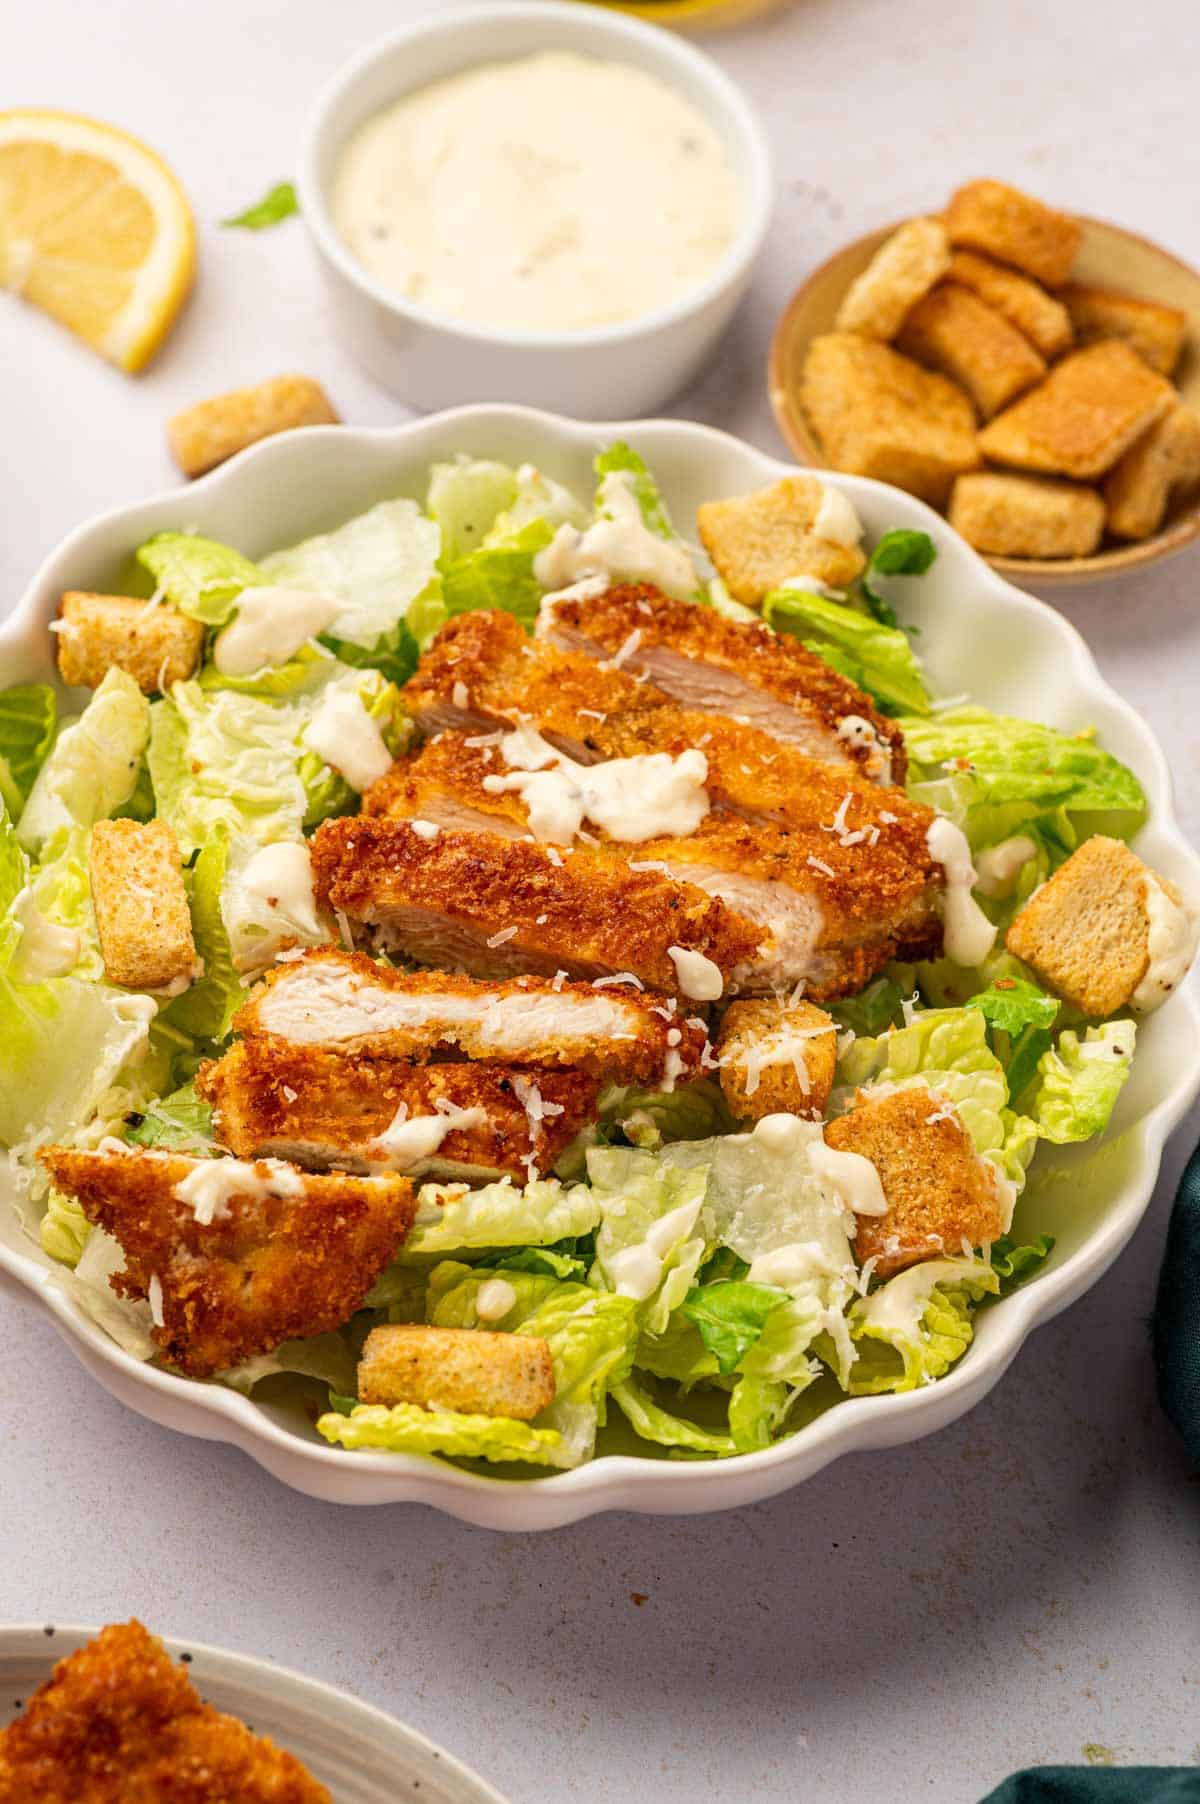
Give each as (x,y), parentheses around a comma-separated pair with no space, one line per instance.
(1034,375)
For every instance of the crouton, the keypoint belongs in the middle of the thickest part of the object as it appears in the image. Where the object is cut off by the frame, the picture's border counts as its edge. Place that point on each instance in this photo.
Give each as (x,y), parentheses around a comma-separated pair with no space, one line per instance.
(141,906)
(153,643)
(1156,332)
(758,541)
(1089,410)
(952,330)
(1104,932)
(1026,516)
(1163,461)
(205,435)
(877,413)
(940,1194)
(1044,320)
(465,1369)
(904,268)
(776,1058)
(1014,228)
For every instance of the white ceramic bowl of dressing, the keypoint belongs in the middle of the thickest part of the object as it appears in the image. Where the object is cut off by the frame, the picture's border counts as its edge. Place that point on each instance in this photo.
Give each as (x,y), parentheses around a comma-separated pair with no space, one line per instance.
(431,359)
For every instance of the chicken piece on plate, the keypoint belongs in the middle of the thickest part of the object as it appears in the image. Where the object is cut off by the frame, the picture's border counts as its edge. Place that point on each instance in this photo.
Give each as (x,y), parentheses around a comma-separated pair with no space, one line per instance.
(777,1056)
(235,1258)
(119,1722)
(322,1108)
(348,1003)
(496,907)
(705,661)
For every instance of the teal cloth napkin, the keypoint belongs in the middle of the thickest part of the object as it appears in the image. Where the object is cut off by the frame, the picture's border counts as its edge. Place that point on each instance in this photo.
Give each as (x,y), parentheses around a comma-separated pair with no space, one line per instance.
(1176,1328)
(1100,1784)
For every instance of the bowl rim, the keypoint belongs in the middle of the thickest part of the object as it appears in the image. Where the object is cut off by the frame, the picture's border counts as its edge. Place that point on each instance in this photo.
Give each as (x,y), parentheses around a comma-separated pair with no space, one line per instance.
(620,29)
(612,1481)
(801,441)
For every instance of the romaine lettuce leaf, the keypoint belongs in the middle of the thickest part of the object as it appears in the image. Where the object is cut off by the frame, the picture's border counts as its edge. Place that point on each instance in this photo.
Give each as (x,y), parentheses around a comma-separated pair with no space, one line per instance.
(653,1423)
(62,1044)
(1078,1081)
(200,577)
(694,1111)
(499,575)
(1012,1264)
(878,658)
(326,791)
(913,1328)
(778,1365)
(464,498)
(498,1215)
(65,1229)
(901,552)
(538,497)
(406,1428)
(1020,1016)
(14,874)
(93,766)
(730,1316)
(60,891)
(452,1293)
(382,566)
(207,1006)
(181,1123)
(621,459)
(649,1246)
(226,763)
(27,718)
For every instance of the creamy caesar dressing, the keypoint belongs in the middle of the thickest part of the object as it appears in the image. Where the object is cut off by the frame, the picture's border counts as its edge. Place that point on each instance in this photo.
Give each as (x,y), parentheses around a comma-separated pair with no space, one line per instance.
(1170,946)
(969,935)
(270,626)
(45,949)
(408,1140)
(549,193)
(637,1271)
(212,1184)
(997,869)
(617,547)
(895,1309)
(281,876)
(853,1178)
(494,1298)
(345,736)
(790,1266)
(699,978)
(631,799)
(858,735)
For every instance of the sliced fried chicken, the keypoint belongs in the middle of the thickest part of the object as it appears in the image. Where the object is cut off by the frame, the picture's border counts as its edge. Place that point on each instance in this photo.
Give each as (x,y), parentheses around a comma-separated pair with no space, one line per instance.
(322,1108)
(247,1256)
(496,907)
(346,1002)
(707,662)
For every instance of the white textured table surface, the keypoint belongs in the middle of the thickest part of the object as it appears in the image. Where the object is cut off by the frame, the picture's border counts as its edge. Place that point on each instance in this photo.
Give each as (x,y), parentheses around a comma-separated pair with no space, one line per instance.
(910,1625)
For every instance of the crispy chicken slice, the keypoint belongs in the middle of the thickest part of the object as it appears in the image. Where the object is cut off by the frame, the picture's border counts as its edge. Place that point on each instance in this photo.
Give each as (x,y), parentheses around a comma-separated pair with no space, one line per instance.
(346,1002)
(119,1722)
(285,1254)
(495,907)
(704,661)
(323,1108)
(837,892)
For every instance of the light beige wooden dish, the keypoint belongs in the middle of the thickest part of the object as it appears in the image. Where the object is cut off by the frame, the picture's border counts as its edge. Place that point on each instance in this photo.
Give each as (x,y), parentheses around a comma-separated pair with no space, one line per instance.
(1109,257)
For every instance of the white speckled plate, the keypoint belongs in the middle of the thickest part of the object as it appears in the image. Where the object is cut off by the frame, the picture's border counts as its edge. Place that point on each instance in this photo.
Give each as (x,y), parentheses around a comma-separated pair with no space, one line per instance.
(363,1756)
(978,633)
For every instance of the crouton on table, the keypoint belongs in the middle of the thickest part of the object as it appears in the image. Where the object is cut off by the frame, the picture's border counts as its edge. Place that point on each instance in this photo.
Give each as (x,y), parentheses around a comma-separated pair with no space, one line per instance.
(758,541)
(1042,318)
(467,1369)
(205,435)
(1104,932)
(776,1057)
(904,268)
(1162,461)
(152,642)
(1152,329)
(140,904)
(952,330)
(940,1194)
(1004,223)
(878,414)
(1089,410)
(1026,516)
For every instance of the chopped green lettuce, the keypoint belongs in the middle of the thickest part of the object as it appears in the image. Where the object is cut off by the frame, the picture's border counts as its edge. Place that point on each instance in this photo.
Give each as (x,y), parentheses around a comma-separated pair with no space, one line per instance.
(538,497)
(62,1044)
(28,713)
(65,1229)
(901,552)
(200,577)
(878,658)
(382,567)
(913,1328)
(499,575)
(1012,1264)
(877,1007)
(730,1316)
(179,1123)
(207,1006)
(1020,1016)
(452,1294)
(226,763)
(621,459)
(1078,1081)
(464,498)
(406,1428)
(654,1423)
(450,1218)
(93,766)
(648,1245)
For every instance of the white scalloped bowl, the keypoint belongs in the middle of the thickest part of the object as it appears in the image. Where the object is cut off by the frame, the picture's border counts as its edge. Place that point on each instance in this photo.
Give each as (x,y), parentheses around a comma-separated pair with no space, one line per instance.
(1013,653)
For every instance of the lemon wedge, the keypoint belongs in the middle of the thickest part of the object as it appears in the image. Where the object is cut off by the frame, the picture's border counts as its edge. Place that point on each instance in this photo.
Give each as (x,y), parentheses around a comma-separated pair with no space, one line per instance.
(95,230)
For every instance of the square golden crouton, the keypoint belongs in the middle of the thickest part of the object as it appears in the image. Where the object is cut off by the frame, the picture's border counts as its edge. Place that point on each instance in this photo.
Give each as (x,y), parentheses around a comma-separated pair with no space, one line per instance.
(1154,331)
(940,1194)
(877,413)
(155,645)
(465,1369)
(904,268)
(1163,461)
(1044,321)
(203,436)
(1004,223)
(1026,516)
(1105,932)
(758,541)
(141,906)
(776,1058)
(952,330)
(1089,410)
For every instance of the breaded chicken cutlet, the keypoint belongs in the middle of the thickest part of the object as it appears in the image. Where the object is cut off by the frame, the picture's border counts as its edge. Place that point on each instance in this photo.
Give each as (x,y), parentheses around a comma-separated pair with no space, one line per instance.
(120,1722)
(323,1108)
(247,1257)
(346,1002)
(497,907)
